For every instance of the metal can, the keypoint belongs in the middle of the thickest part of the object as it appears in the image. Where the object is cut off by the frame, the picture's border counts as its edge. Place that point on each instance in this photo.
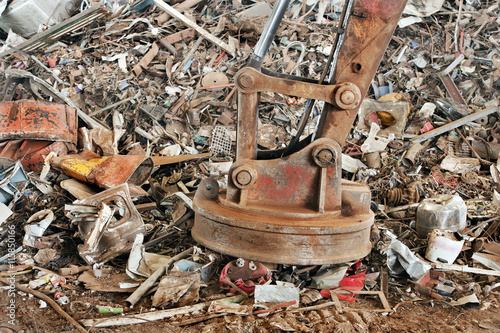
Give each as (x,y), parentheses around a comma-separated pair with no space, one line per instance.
(444,212)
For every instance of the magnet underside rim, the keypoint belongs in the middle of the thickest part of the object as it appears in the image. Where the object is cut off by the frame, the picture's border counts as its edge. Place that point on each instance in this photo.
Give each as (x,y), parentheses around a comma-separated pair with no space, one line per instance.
(285,240)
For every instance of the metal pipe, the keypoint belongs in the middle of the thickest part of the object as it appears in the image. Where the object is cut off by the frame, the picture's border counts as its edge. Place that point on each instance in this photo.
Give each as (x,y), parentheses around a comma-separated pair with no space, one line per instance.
(267,36)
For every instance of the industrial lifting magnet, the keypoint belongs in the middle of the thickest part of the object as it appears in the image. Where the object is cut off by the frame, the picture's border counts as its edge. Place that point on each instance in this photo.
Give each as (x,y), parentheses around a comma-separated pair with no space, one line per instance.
(291,206)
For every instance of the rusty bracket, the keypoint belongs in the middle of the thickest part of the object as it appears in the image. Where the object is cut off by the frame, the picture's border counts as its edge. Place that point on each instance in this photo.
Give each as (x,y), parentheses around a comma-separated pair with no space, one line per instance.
(344,95)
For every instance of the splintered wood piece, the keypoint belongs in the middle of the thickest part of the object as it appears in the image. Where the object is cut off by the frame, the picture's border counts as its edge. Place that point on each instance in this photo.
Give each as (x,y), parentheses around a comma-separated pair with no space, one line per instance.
(335,299)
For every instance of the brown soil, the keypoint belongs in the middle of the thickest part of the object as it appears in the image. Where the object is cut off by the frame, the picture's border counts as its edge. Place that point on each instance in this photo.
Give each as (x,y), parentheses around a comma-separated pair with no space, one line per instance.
(420,316)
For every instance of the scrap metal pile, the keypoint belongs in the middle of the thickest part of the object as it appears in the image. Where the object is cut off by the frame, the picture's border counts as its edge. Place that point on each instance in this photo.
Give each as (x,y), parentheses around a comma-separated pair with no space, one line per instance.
(112,115)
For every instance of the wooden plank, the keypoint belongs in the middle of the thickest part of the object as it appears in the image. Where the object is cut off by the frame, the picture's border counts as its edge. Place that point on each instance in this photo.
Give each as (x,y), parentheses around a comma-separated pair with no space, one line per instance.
(367,310)
(467,269)
(163,160)
(336,300)
(154,315)
(384,301)
(454,124)
(380,294)
(384,282)
(313,307)
(183,187)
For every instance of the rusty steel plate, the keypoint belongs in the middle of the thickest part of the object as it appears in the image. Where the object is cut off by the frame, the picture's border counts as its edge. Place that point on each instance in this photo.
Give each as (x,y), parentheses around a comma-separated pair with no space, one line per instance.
(107,171)
(38,120)
(34,160)
(314,238)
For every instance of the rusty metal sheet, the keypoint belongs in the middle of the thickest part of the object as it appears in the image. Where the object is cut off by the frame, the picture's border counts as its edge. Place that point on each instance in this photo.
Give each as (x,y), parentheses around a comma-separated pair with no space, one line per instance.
(33,159)
(38,120)
(9,149)
(452,88)
(32,153)
(107,171)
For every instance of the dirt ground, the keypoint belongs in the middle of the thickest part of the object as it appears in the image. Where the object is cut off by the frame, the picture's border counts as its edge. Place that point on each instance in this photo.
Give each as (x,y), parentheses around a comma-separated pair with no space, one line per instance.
(424,315)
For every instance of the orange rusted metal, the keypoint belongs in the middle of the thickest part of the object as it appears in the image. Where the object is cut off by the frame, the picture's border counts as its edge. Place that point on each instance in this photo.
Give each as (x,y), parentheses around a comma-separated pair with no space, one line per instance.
(32,153)
(38,120)
(370,28)
(34,160)
(344,95)
(107,171)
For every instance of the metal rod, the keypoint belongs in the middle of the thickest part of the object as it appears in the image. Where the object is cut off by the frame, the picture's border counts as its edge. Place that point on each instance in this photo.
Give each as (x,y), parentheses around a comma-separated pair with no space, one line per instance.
(454,124)
(248,117)
(267,36)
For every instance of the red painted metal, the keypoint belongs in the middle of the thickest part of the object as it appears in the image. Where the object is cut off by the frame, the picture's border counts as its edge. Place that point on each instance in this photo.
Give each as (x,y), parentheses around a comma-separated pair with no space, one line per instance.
(34,159)
(38,120)
(32,153)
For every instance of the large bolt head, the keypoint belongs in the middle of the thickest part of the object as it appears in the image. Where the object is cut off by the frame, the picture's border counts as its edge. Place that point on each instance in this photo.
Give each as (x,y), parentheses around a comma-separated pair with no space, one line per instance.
(347,97)
(325,156)
(246,81)
(244,177)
